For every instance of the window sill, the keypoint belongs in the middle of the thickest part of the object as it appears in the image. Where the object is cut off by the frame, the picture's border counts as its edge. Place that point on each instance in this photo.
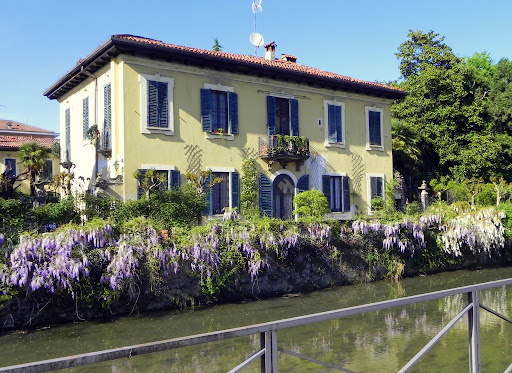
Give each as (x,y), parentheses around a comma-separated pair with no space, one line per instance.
(379,148)
(214,136)
(335,145)
(159,131)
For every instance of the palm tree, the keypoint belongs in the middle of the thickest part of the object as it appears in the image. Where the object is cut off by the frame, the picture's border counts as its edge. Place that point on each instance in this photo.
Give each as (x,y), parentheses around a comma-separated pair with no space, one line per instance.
(33,157)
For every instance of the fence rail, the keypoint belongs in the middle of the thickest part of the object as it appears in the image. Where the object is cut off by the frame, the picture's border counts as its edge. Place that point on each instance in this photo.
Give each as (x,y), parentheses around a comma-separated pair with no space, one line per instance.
(267,355)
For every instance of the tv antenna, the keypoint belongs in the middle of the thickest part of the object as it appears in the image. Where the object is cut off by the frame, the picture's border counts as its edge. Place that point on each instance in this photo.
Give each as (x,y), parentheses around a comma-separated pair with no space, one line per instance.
(255,38)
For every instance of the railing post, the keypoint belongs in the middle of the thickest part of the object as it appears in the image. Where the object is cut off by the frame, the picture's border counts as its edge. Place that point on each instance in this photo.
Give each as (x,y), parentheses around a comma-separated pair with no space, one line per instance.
(269,359)
(474,332)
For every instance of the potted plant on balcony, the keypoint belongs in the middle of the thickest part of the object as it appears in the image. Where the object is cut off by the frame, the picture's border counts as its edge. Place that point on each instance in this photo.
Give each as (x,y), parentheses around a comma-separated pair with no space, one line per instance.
(219,131)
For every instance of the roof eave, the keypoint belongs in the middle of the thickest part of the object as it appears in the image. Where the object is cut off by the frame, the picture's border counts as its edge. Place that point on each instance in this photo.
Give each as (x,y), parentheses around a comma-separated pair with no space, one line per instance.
(116,45)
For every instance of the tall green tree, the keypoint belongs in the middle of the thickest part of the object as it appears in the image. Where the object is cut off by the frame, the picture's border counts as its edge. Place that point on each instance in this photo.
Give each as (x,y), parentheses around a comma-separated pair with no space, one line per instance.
(441,108)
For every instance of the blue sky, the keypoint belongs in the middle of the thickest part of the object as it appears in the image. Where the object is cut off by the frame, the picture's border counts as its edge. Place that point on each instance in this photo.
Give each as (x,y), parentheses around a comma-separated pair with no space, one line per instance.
(41,40)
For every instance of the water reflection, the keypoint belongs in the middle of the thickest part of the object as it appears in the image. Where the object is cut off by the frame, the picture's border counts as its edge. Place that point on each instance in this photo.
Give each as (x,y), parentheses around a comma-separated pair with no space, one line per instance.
(381,341)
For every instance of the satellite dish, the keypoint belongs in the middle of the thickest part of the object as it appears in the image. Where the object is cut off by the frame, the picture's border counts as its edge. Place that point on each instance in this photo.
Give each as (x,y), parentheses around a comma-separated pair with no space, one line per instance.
(256,39)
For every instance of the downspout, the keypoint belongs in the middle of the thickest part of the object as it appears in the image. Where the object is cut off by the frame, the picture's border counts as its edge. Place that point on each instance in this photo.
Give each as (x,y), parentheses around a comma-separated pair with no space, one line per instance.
(96,171)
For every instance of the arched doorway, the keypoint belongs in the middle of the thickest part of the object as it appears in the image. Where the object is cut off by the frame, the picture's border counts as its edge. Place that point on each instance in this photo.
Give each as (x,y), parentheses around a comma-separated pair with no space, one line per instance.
(284,191)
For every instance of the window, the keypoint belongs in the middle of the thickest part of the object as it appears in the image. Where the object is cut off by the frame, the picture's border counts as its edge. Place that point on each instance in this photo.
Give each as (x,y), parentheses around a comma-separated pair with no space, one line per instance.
(47,170)
(171,177)
(334,113)
(107,117)
(85,117)
(282,116)
(67,125)
(224,194)
(157,104)
(219,110)
(374,128)
(375,188)
(336,189)
(10,164)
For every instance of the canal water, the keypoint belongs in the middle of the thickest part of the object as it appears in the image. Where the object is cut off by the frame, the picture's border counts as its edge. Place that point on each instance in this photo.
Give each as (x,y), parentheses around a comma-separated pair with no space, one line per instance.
(381,341)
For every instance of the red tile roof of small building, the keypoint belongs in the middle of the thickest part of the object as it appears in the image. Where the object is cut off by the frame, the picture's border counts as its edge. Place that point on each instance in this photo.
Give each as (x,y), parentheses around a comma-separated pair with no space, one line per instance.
(14,134)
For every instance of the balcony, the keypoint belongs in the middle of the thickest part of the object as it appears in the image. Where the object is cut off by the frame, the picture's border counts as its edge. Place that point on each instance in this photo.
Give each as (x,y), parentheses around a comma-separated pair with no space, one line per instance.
(283,149)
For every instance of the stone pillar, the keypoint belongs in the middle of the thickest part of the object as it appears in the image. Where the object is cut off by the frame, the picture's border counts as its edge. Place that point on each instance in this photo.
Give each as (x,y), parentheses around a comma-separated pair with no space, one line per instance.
(424,195)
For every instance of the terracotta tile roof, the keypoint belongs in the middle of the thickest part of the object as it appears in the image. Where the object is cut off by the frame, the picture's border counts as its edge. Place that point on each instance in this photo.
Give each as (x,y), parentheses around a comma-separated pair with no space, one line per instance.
(11,125)
(278,69)
(280,64)
(14,134)
(14,142)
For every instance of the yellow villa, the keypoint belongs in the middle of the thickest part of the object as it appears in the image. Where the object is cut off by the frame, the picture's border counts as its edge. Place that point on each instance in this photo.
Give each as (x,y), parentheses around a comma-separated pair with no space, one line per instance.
(179,109)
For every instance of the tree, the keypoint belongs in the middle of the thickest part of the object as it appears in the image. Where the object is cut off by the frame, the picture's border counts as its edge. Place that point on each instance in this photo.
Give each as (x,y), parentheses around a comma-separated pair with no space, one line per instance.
(216,46)
(441,108)
(33,156)
(149,180)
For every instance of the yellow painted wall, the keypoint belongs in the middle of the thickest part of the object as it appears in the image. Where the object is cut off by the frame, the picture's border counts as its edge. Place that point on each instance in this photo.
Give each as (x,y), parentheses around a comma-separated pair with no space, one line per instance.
(189,149)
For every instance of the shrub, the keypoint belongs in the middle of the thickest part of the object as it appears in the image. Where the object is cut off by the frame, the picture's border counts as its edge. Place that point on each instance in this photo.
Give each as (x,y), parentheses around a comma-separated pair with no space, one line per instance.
(487,196)
(310,205)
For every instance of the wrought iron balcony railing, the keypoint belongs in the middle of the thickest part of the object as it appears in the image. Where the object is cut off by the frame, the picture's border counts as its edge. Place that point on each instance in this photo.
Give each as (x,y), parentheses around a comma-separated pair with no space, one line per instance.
(283,149)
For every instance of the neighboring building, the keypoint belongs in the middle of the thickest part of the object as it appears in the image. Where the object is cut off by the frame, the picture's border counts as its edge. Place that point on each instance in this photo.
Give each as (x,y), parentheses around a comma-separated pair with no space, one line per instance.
(180,109)
(12,136)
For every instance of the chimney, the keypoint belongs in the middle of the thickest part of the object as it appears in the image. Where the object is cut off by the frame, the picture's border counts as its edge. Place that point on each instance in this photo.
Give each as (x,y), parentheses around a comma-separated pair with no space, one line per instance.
(288,58)
(270,51)
(9,125)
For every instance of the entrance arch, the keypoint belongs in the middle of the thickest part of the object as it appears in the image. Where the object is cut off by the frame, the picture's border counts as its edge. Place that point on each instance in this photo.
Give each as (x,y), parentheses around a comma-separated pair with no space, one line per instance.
(284,191)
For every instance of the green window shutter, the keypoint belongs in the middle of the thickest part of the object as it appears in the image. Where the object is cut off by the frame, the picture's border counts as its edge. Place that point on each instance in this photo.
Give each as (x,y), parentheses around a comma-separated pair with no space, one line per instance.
(107,108)
(271,115)
(294,116)
(85,107)
(303,183)
(233,112)
(346,194)
(235,190)
(175,179)
(265,195)
(206,112)
(326,187)
(374,127)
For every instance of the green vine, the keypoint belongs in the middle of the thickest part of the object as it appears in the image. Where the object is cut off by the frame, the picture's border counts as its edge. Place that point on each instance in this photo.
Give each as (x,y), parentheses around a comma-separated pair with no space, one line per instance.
(249,192)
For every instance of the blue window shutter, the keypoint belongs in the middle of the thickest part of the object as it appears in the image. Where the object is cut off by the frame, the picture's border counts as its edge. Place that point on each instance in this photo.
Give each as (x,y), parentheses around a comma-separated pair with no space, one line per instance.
(206,114)
(303,183)
(265,195)
(140,192)
(294,116)
(233,112)
(346,194)
(271,115)
(235,190)
(331,122)
(152,104)
(375,187)
(374,128)
(326,187)
(175,179)
(339,137)
(209,198)
(163,105)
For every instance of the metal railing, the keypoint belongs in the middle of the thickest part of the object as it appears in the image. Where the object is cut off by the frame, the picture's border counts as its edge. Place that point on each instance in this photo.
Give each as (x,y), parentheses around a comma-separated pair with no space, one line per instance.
(268,353)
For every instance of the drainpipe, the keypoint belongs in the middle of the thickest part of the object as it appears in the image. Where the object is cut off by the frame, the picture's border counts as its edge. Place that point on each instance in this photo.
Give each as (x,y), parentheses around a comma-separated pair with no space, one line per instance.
(96,171)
